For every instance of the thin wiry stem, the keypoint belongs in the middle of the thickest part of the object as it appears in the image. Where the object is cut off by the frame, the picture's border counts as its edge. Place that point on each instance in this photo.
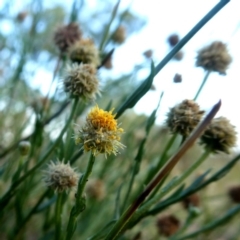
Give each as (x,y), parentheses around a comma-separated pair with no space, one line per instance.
(190,34)
(202,85)
(80,200)
(58,217)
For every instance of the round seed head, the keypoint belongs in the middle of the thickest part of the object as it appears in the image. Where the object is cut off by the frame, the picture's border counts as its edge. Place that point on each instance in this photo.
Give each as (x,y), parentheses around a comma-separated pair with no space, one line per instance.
(95,189)
(184,117)
(65,36)
(167,225)
(80,81)
(177,78)
(191,201)
(119,35)
(179,56)
(85,51)
(219,136)
(60,177)
(173,40)
(148,54)
(234,194)
(214,57)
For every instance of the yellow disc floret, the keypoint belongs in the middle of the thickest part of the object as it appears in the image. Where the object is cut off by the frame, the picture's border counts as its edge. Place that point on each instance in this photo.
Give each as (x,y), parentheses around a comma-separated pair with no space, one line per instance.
(101,133)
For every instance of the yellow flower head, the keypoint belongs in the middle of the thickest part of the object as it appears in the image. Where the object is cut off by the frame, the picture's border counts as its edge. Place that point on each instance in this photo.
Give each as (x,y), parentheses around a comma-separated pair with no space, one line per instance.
(101,133)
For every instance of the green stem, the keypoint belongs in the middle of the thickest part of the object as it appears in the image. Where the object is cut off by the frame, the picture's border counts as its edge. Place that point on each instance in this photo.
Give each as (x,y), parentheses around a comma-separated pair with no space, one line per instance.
(202,85)
(129,187)
(177,182)
(161,162)
(30,214)
(5,199)
(80,199)
(191,216)
(126,216)
(214,224)
(58,216)
(106,33)
(163,157)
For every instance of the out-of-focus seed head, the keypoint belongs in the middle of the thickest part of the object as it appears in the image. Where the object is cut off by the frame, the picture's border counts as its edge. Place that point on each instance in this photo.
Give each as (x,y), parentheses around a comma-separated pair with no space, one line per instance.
(66,36)
(138,236)
(85,51)
(191,201)
(119,36)
(173,40)
(24,147)
(177,78)
(21,16)
(214,57)
(101,133)
(179,56)
(148,54)
(153,88)
(108,63)
(95,189)
(184,117)
(167,225)
(234,194)
(220,135)
(60,176)
(80,80)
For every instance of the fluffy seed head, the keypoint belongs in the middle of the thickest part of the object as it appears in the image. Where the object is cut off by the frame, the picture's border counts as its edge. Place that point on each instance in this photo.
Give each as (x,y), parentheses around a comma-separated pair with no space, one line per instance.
(85,51)
(80,81)
(119,35)
(60,176)
(219,136)
(65,36)
(184,117)
(234,194)
(101,133)
(214,57)
(167,225)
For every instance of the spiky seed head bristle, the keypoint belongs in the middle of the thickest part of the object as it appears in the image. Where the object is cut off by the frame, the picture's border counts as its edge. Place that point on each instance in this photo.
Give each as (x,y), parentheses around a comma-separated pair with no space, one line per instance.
(220,135)
(214,57)
(184,117)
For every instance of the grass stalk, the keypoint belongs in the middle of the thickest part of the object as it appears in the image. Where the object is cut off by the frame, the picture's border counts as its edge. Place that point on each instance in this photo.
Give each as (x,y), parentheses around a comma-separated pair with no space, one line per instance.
(80,200)
(116,230)
(202,85)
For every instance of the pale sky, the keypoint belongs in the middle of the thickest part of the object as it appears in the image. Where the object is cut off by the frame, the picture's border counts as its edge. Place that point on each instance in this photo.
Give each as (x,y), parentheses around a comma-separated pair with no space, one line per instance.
(173,16)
